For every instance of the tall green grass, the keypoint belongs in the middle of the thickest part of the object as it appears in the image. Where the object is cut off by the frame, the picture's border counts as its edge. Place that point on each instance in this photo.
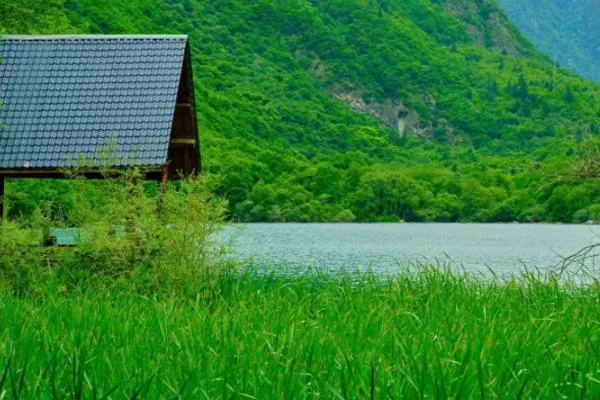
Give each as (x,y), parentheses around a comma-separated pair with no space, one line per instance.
(145,307)
(433,334)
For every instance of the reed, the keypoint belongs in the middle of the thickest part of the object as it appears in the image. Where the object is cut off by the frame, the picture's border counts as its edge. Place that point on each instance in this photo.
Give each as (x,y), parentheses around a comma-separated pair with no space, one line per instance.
(434,334)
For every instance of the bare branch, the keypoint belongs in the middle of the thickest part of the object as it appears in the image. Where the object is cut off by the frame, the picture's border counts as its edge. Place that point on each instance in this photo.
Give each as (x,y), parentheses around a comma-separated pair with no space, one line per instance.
(580,262)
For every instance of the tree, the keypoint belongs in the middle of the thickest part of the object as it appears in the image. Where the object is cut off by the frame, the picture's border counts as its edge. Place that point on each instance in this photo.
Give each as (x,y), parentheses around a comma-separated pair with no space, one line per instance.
(569,95)
(389,193)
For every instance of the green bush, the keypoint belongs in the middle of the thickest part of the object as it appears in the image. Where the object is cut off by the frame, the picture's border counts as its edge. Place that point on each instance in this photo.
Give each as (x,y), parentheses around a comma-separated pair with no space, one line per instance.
(157,242)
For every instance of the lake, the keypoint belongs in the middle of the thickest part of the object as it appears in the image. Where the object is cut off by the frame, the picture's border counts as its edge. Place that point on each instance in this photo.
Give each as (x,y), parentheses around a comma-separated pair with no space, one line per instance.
(387,248)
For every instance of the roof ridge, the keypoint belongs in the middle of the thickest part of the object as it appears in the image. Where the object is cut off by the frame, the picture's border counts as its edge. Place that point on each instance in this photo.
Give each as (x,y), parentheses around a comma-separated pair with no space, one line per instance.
(94,37)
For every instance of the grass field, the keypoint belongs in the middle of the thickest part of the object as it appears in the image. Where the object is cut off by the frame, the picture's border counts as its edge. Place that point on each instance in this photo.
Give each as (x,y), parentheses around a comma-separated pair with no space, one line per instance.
(151,311)
(425,335)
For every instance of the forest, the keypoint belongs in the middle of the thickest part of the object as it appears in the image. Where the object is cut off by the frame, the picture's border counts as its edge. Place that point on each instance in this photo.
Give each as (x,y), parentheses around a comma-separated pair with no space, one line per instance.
(361,110)
(567,30)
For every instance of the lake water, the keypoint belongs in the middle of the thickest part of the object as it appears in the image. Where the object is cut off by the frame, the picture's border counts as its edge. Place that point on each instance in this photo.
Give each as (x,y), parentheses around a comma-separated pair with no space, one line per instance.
(387,248)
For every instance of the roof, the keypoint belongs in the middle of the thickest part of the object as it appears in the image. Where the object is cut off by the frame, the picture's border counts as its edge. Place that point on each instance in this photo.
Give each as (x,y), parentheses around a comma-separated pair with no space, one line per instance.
(88,99)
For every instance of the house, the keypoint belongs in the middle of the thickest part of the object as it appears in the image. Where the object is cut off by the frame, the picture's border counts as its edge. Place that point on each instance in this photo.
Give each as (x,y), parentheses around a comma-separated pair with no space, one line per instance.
(97,101)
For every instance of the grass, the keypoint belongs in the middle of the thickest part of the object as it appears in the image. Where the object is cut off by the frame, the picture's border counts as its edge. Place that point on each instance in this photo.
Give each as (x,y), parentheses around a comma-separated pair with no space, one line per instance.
(155,311)
(433,334)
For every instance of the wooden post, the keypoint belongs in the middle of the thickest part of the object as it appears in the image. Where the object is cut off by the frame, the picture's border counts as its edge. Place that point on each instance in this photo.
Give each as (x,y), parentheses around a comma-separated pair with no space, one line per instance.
(1,197)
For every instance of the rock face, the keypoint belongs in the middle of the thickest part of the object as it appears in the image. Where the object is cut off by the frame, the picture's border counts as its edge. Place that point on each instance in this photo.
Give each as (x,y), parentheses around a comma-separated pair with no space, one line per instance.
(395,115)
(405,121)
(488,26)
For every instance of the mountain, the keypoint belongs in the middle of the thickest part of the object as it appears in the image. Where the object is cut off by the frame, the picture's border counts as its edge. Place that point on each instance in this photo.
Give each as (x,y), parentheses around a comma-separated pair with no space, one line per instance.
(567,30)
(421,110)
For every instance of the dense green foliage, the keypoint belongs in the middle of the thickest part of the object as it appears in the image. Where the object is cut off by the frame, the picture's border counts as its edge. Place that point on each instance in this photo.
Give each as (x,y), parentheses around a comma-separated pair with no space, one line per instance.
(164,242)
(567,30)
(364,110)
(432,335)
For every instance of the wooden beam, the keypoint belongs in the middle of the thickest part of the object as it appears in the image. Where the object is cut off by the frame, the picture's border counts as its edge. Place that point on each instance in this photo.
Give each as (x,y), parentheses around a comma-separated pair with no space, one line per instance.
(183,141)
(183,105)
(58,173)
(29,172)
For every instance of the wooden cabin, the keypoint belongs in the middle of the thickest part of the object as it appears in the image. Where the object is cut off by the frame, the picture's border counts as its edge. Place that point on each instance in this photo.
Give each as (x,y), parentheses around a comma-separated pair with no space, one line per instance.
(93,102)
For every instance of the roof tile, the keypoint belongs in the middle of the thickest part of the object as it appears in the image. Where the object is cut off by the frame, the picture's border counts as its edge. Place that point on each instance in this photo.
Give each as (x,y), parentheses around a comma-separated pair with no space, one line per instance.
(68,96)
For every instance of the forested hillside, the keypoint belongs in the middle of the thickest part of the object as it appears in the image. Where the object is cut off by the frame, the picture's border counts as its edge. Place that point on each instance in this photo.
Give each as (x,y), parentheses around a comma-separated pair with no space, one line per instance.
(567,30)
(418,110)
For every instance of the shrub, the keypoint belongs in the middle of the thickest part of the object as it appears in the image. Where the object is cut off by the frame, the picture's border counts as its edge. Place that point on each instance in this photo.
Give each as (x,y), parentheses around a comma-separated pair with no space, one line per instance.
(345,216)
(135,238)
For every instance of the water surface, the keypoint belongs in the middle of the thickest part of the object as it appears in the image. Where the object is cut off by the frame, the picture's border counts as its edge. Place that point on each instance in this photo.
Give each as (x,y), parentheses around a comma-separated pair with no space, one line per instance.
(387,248)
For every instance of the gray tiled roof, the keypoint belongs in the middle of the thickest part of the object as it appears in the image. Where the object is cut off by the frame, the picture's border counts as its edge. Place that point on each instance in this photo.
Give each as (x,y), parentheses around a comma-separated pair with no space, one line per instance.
(91,98)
